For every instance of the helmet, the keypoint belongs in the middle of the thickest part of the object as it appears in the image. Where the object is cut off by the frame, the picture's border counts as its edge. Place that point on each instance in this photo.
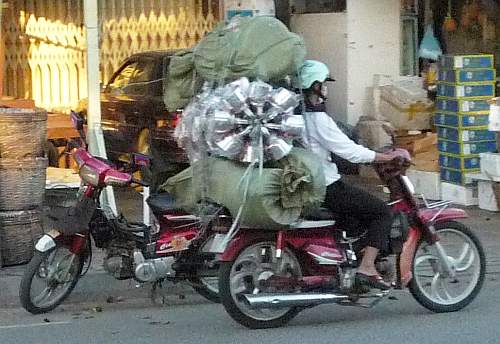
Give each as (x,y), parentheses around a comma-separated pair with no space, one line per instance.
(313,71)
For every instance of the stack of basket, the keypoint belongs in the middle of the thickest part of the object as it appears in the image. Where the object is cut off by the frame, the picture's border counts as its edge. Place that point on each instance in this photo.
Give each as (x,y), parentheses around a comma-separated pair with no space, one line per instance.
(465,84)
(23,133)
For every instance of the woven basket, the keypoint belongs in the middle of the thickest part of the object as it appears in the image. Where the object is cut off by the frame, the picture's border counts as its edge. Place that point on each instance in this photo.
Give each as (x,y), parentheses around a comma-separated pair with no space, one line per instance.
(22,183)
(19,231)
(23,133)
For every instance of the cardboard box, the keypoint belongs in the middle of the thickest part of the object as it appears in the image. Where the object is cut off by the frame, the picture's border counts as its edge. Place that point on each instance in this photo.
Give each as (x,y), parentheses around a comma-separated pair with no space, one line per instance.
(487,197)
(463,195)
(460,148)
(416,144)
(466,135)
(490,164)
(456,176)
(427,161)
(457,162)
(462,120)
(466,61)
(466,76)
(426,183)
(494,114)
(461,105)
(469,91)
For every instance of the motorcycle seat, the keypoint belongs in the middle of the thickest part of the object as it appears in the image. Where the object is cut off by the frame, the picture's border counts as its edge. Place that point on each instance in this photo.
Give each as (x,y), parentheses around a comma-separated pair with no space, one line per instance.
(161,203)
(319,214)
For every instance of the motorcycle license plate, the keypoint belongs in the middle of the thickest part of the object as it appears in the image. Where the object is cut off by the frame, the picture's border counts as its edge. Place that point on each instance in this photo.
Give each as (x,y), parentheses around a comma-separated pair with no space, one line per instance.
(218,244)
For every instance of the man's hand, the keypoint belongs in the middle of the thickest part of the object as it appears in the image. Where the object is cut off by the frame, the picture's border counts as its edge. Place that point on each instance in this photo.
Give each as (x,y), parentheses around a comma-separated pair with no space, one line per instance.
(398,152)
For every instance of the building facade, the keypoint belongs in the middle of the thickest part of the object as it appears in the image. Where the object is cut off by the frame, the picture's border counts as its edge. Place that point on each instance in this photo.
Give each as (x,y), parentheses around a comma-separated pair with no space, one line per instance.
(45,41)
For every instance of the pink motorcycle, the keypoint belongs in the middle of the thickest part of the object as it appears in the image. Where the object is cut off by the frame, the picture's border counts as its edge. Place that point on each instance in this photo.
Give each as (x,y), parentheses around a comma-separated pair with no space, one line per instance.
(266,278)
(175,247)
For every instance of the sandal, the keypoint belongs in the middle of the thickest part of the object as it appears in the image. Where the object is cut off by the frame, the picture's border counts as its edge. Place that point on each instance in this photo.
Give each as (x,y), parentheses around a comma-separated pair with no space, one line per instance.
(374,281)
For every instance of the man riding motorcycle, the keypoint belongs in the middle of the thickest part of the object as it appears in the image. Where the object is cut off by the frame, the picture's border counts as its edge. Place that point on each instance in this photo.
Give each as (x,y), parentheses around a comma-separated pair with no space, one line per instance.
(324,137)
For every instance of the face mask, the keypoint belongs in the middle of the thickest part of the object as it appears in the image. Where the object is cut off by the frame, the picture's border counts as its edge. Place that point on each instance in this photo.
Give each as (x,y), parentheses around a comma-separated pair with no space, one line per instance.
(324,90)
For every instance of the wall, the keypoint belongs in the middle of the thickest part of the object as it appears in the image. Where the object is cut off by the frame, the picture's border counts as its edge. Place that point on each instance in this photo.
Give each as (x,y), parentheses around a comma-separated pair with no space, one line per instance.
(46,41)
(373,48)
(325,37)
(363,41)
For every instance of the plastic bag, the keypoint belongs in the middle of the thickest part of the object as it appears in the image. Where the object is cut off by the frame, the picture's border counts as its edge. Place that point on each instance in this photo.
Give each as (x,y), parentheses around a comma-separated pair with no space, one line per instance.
(429,47)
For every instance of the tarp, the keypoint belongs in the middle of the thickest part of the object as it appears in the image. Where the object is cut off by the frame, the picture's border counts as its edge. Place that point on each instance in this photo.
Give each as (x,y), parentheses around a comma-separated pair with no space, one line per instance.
(258,48)
(275,199)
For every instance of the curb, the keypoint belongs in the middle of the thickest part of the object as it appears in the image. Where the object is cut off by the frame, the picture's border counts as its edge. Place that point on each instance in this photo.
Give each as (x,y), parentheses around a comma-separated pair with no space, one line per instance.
(101,288)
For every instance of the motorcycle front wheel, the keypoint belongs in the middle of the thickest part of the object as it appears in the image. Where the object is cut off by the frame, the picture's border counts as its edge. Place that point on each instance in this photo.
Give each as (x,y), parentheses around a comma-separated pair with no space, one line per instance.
(431,286)
(49,279)
(242,276)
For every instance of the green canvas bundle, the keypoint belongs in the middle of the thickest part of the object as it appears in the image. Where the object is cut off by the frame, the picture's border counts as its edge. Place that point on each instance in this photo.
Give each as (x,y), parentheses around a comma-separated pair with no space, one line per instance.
(258,48)
(275,199)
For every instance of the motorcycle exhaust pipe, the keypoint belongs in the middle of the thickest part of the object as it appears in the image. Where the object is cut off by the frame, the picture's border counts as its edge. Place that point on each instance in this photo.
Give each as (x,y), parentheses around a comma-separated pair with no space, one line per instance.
(291,300)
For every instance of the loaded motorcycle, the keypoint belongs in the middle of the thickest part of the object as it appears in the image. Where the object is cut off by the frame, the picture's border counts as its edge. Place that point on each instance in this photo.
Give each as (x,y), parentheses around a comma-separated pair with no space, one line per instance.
(266,278)
(176,247)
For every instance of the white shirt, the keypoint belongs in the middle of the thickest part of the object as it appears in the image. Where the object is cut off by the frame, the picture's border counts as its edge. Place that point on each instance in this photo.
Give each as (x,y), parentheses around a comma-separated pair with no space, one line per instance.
(323,137)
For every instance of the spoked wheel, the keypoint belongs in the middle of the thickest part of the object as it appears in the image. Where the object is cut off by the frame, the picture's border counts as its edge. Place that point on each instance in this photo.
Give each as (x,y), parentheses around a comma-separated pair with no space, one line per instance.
(432,287)
(49,279)
(207,282)
(242,277)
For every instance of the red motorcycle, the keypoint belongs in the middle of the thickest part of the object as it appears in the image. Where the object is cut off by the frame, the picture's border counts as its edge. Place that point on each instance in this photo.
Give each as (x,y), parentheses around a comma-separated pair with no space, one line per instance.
(176,247)
(267,278)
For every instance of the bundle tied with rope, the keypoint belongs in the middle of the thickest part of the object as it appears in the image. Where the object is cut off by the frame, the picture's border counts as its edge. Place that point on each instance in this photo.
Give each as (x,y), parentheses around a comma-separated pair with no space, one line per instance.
(239,136)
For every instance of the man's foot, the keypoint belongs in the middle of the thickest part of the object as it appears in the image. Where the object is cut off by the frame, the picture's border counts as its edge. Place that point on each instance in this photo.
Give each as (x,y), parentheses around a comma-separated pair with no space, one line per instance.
(373,281)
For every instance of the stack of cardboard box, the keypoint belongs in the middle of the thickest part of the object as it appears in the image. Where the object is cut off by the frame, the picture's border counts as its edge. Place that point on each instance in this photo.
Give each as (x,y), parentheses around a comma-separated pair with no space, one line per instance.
(465,84)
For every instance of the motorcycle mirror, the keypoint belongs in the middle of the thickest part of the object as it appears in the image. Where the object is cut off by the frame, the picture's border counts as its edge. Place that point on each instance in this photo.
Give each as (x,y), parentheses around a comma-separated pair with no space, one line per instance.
(77,120)
(141,160)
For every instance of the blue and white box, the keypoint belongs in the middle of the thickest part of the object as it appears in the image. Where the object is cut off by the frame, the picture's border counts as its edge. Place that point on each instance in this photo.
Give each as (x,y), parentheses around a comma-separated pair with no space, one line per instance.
(461,120)
(467,76)
(462,105)
(460,148)
(466,61)
(457,162)
(466,135)
(466,91)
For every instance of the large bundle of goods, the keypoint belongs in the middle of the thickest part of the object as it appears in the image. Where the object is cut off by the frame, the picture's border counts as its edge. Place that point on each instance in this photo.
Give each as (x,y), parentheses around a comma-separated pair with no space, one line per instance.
(465,84)
(23,133)
(239,138)
(239,126)
(258,48)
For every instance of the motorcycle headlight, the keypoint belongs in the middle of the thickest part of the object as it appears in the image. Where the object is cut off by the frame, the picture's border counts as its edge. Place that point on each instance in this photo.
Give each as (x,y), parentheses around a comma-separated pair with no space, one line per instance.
(89,175)
(409,185)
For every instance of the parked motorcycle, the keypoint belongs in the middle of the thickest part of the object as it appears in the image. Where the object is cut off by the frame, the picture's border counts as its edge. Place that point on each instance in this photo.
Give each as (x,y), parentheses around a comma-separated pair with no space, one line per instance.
(176,247)
(266,278)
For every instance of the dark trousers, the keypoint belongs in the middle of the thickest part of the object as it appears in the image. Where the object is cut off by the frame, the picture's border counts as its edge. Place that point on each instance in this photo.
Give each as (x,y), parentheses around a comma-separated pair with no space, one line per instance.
(348,202)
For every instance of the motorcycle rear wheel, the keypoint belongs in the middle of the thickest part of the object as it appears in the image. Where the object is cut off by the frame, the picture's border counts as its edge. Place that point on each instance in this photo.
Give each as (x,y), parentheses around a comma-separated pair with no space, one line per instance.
(39,268)
(233,279)
(469,262)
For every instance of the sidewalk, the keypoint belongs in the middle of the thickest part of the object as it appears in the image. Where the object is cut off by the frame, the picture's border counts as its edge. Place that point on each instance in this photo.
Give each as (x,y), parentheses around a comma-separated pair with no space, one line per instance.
(97,286)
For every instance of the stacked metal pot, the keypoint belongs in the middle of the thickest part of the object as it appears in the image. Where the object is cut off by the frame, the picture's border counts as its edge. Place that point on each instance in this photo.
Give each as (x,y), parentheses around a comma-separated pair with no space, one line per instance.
(23,133)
